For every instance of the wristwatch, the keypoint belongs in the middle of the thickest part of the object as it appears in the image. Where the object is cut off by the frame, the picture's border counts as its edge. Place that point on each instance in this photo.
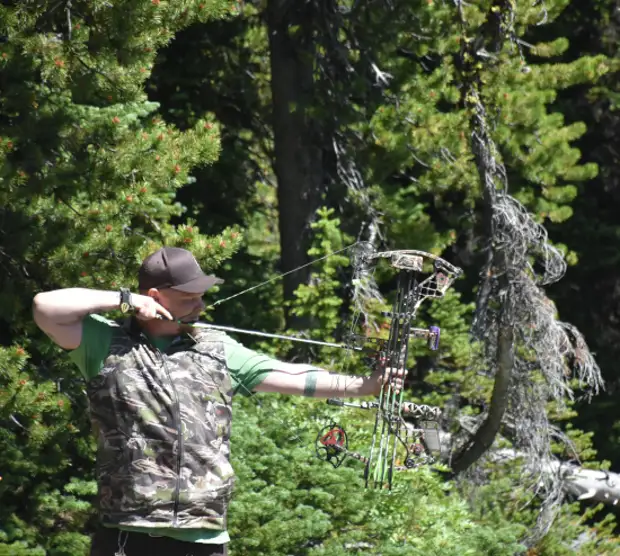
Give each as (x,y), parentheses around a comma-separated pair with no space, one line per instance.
(126,304)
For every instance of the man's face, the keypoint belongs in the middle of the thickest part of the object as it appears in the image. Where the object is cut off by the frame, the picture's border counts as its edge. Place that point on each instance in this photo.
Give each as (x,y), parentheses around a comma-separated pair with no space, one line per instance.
(183,306)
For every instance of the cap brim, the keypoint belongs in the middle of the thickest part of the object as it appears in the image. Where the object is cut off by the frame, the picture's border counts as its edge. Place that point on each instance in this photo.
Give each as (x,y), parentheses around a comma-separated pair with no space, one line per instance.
(198,285)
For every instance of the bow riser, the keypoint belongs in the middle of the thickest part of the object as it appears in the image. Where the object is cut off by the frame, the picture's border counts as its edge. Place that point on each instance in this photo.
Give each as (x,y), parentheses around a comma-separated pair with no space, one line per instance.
(386,434)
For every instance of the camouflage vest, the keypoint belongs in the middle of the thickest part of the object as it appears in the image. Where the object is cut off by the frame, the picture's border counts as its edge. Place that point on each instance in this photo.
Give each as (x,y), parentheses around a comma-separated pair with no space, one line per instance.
(163,425)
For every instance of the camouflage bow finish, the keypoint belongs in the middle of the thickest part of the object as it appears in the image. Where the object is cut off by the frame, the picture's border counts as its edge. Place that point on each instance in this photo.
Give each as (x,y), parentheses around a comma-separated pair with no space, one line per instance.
(405,434)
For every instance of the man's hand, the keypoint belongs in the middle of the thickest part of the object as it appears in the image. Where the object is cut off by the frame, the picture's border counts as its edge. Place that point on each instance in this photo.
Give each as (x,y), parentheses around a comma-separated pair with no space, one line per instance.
(148,309)
(382,376)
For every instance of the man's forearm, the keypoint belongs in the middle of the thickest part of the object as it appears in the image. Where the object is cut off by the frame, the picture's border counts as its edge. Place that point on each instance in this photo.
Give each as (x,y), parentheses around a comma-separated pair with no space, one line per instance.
(331,385)
(71,305)
(306,380)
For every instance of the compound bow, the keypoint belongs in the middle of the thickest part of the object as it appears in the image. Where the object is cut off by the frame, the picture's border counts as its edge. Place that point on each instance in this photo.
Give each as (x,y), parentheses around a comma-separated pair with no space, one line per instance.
(398,424)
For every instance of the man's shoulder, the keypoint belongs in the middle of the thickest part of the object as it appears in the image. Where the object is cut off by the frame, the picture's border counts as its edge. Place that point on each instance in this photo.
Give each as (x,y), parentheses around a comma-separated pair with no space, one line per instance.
(99,332)
(204,339)
(200,334)
(213,343)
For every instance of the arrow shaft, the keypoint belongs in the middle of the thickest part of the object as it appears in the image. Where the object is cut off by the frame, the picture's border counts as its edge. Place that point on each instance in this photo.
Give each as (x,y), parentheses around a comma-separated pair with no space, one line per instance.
(274,336)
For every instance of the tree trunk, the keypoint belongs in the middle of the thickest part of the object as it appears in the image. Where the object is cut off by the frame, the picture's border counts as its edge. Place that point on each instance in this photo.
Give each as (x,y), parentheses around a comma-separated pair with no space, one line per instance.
(485,435)
(498,267)
(297,139)
(595,485)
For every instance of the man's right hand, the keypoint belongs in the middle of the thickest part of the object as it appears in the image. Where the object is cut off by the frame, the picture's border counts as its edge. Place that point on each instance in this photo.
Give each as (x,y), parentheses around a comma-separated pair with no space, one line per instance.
(147,308)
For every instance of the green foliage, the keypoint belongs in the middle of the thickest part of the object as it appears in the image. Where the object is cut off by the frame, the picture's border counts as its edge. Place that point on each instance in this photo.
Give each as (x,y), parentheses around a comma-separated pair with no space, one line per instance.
(319,299)
(40,446)
(498,501)
(148,123)
(294,503)
(421,147)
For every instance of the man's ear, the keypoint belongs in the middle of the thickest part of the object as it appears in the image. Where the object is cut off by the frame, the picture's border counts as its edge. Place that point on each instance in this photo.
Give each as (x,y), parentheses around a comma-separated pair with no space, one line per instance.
(154,293)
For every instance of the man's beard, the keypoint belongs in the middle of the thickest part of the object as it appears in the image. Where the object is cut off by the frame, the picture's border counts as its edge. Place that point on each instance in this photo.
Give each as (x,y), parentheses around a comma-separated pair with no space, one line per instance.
(190,319)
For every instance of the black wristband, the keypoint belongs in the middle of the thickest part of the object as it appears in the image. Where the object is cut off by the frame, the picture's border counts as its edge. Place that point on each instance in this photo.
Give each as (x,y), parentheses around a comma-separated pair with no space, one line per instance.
(126,304)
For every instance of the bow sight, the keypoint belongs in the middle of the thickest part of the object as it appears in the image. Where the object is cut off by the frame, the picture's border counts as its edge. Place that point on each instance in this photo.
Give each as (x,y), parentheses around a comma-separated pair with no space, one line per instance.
(405,435)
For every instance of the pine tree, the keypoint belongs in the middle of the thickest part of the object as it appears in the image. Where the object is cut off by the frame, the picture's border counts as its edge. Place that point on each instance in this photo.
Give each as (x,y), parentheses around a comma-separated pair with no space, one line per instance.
(223,68)
(89,173)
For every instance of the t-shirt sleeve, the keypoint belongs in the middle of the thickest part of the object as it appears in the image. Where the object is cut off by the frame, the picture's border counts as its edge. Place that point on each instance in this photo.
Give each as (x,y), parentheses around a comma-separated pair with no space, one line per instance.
(95,345)
(249,368)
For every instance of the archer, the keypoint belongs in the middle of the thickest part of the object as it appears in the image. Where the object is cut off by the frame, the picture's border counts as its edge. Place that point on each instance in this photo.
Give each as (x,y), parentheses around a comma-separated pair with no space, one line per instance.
(160,394)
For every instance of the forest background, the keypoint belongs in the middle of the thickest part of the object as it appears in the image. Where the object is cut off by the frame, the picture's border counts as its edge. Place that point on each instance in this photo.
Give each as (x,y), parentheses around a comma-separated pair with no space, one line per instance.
(266,134)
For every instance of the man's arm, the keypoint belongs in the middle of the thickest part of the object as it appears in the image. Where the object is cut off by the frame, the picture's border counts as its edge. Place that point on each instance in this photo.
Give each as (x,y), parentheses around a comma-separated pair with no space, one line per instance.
(299,380)
(255,372)
(59,313)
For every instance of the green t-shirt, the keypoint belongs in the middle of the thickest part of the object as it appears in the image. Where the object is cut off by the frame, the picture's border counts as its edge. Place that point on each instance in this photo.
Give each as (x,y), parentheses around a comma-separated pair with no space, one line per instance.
(247,369)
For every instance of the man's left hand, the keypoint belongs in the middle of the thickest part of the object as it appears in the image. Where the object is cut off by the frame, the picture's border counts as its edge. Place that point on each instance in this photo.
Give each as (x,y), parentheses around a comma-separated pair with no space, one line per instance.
(383,376)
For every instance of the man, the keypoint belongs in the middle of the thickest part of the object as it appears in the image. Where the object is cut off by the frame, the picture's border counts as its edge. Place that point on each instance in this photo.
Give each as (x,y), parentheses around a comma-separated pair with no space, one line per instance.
(160,396)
